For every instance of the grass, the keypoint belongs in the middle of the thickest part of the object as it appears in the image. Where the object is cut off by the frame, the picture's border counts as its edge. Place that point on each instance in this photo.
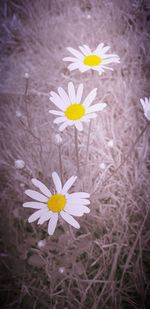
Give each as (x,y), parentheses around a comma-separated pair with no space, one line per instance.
(105,263)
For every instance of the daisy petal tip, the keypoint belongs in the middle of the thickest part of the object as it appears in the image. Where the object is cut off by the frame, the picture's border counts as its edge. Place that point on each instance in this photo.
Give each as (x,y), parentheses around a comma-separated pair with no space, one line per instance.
(29,220)
(26,192)
(33,180)
(50,233)
(77,226)
(75,178)
(54,174)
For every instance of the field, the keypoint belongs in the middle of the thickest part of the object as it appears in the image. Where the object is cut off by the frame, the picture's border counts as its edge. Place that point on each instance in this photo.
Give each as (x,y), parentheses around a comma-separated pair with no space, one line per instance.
(104,264)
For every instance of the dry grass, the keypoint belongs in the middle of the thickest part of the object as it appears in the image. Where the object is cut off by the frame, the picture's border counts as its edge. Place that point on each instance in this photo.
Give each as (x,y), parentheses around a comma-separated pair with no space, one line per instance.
(105,263)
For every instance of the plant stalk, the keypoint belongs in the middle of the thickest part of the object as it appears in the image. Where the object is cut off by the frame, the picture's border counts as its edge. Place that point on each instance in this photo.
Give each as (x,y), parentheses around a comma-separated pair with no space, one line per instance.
(77,150)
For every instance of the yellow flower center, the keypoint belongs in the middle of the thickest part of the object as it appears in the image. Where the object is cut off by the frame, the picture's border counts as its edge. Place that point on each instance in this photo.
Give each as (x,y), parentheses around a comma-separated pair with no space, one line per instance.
(56,202)
(92,60)
(75,111)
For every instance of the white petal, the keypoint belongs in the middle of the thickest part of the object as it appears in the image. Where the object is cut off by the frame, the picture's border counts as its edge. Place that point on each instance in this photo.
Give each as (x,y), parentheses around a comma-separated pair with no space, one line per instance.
(83,68)
(57,182)
(76,53)
(142,102)
(147,101)
(55,98)
(64,96)
(107,56)
(45,217)
(69,219)
(98,49)
(85,209)
(73,66)
(80,195)
(110,60)
(52,223)
(103,68)
(35,216)
(84,51)
(79,201)
(88,50)
(59,119)
(36,196)
(74,210)
(89,99)
(78,125)
(96,107)
(68,184)
(86,119)
(71,92)
(34,205)
(89,116)
(42,187)
(72,59)
(79,93)
(63,126)
(58,113)
(105,49)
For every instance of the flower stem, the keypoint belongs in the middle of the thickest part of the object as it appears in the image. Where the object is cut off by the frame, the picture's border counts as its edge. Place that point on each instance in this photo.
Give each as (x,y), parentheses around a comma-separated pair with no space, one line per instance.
(26,86)
(60,162)
(88,142)
(77,149)
(26,101)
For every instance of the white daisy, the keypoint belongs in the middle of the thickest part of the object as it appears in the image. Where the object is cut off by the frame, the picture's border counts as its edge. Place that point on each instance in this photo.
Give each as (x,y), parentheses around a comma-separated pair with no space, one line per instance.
(61,202)
(72,111)
(146,107)
(85,59)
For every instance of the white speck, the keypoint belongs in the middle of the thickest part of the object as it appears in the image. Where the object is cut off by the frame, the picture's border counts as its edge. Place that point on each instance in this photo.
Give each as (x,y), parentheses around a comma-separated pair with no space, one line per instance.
(102,166)
(57,139)
(61,270)
(41,243)
(22,185)
(26,75)
(88,16)
(18,114)
(110,143)
(20,164)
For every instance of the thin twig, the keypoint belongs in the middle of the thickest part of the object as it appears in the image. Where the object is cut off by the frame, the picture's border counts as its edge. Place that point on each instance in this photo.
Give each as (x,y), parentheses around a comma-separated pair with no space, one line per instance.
(126,157)
(26,86)
(26,99)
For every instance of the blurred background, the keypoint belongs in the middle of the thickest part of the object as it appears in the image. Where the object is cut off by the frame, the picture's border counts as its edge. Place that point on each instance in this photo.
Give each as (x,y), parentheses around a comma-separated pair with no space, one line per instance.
(104,264)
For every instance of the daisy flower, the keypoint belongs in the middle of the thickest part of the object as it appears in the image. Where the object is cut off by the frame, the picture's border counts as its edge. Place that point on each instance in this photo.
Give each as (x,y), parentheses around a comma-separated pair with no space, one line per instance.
(146,107)
(85,59)
(50,206)
(71,110)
